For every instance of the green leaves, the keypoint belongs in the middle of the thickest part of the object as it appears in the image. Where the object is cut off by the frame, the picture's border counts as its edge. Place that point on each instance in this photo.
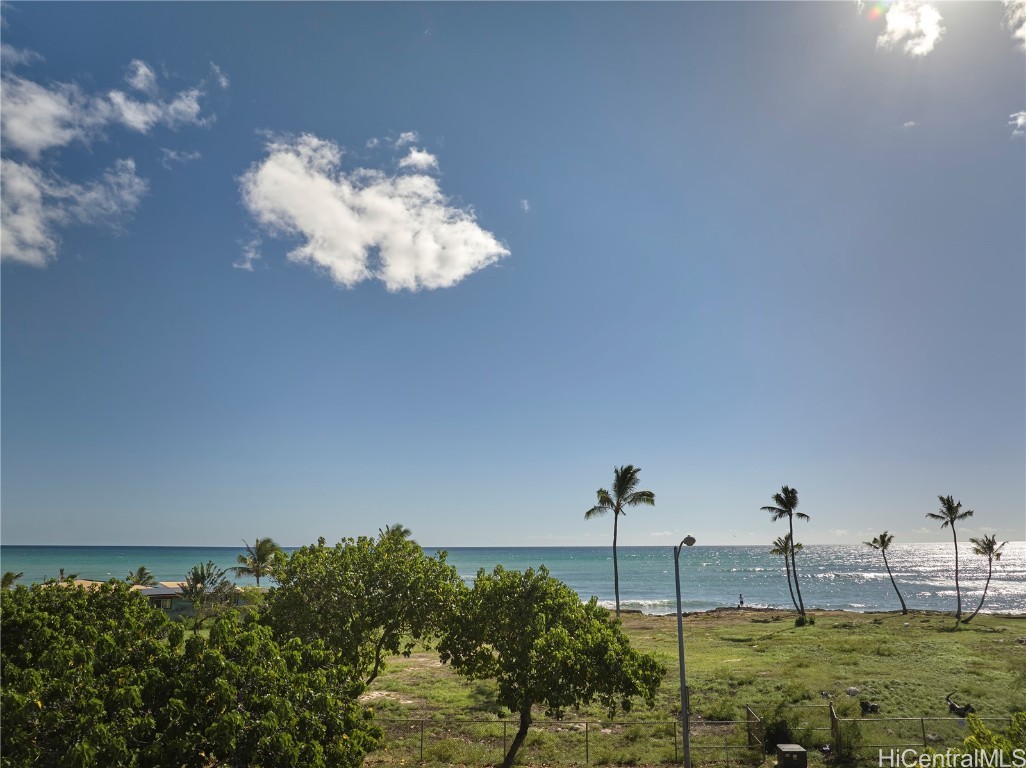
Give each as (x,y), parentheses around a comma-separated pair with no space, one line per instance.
(98,677)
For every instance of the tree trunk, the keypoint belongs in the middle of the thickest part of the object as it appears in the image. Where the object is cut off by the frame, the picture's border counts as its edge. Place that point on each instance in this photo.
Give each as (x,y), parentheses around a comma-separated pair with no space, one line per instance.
(904,610)
(790,588)
(958,590)
(794,569)
(518,740)
(616,569)
(990,570)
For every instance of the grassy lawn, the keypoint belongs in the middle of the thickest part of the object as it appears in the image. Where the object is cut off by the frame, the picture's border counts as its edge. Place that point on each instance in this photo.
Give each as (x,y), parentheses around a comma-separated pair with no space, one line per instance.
(905,664)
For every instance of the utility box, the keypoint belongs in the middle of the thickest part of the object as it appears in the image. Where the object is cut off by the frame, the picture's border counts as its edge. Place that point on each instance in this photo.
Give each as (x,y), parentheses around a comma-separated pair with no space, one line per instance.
(792,756)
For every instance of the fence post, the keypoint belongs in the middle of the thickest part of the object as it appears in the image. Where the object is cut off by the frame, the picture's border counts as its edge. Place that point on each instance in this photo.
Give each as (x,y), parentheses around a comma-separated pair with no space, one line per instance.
(835,730)
(587,755)
(676,759)
(922,723)
(503,738)
(422,741)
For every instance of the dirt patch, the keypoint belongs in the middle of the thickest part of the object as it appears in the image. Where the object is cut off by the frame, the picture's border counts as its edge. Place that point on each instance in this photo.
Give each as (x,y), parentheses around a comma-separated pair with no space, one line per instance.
(371,696)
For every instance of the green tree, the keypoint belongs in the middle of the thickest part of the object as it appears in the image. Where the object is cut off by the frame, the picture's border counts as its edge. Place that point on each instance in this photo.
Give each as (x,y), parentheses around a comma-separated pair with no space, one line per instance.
(96,677)
(988,547)
(950,513)
(258,560)
(624,494)
(882,543)
(141,577)
(365,598)
(209,591)
(10,577)
(782,546)
(534,636)
(786,505)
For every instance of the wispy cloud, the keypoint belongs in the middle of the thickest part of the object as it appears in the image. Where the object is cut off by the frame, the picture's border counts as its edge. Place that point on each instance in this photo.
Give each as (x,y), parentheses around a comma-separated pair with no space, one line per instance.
(420,159)
(418,238)
(525,206)
(219,75)
(12,57)
(908,126)
(36,118)
(141,77)
(1018,123)
(250,254)
(170,156)
(1015,19)
(34,204)
(916,27)
(406,137)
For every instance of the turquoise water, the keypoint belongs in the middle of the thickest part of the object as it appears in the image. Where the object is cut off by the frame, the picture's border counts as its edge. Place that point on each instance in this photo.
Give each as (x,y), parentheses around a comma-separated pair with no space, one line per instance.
(846,577)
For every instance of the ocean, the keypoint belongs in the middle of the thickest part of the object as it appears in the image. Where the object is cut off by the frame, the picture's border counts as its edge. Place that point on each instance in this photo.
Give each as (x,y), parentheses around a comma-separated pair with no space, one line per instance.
(848,577)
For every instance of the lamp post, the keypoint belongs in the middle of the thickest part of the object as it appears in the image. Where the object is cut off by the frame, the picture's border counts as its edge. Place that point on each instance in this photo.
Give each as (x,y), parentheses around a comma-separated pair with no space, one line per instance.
(684,713)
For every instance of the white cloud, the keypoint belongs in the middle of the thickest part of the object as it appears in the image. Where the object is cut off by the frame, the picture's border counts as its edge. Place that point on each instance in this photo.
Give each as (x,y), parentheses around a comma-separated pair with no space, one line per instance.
(525,206)
(1018,123)
(915,26)
(372,143)
(909,125)
(34,205)
(169,156)
(419,159)
(1015,18)
(406,137)
(141,77)
(250,253)
(35,118)
(220,76)
(417,237)
(12,57)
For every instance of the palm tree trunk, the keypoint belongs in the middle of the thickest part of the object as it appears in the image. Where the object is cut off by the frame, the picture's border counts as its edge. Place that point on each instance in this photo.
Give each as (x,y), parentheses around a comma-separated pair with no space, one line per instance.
(958,590)
(904,610)
(790,588)
(616,569)
(525,723)
(794,568)
(990,570)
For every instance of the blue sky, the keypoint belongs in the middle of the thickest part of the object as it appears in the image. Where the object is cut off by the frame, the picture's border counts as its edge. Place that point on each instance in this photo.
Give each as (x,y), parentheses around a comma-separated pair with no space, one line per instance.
(296,270)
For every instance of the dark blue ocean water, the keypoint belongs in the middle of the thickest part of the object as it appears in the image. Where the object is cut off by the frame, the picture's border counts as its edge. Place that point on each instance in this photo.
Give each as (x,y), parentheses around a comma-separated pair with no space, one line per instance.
(832,576)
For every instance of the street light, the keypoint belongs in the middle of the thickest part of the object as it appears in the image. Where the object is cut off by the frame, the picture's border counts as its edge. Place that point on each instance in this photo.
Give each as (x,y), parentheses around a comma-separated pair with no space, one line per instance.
(684,719)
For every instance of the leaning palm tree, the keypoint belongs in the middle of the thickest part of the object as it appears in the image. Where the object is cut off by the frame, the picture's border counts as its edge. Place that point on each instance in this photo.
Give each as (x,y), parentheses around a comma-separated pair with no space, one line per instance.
(396,531)
(625,480)
(786,503)
(10,577)
(141,577)
(782,546)
(258,560)
(950,513)
(882,542)
(989,547)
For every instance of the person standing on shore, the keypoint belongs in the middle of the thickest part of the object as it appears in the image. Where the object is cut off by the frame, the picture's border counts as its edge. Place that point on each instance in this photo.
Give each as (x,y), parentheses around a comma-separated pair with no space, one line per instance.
(740,602)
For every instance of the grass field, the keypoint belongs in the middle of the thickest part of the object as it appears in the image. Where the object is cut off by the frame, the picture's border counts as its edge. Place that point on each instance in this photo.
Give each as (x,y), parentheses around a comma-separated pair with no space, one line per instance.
(906,664)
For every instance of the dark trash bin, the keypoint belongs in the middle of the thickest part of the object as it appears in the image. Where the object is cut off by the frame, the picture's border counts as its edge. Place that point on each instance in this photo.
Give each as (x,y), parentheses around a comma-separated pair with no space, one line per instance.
(791,756)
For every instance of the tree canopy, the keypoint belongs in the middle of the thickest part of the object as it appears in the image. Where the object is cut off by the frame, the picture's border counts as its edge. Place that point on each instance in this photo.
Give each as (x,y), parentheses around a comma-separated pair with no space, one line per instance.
(98,677)
(534,636)
(365,598)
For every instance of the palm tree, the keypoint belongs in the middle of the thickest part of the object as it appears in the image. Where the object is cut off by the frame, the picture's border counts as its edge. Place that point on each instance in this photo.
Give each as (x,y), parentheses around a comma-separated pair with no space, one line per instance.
(625,480)
(786,503)
(258,560)
(141,577)
(10,577)
(782,546)
(396,530)
(882,542)
(986,546)
(951,512)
